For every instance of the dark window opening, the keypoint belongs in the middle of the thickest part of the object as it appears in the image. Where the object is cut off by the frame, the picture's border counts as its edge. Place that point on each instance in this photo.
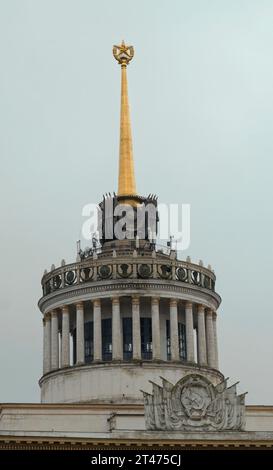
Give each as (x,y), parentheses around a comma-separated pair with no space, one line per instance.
(74,346)
(168,340)
(88,342)
(146,338)
(181,340)
(106,328)
(127,339)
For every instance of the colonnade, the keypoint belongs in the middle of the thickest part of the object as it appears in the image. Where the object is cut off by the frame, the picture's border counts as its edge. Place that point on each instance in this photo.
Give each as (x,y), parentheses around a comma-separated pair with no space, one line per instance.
(197,317)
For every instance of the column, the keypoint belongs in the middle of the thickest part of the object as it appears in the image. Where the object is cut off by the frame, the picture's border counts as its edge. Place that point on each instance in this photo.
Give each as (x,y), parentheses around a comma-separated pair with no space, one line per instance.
(79,333)
(47,344)
(210,339)
(136,327)
(155,328)
(214,318)
(189,332)
(116,330)
(54,341)
(65,337)
(174,330)
(97,330)
(201,336)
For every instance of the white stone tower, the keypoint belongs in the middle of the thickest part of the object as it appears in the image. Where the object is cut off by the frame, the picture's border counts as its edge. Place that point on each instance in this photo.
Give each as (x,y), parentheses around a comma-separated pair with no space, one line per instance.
(126,313)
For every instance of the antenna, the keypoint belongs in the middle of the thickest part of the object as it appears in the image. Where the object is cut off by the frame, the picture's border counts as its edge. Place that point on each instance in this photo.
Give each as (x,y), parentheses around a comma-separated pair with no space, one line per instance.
(170,242)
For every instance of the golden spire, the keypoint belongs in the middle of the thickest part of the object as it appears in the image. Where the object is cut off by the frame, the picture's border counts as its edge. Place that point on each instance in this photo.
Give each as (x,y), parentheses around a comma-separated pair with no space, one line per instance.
(126,179)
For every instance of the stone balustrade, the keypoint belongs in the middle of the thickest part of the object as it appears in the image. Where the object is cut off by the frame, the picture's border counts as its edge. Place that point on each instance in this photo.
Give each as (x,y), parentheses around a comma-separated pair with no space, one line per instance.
(132,267)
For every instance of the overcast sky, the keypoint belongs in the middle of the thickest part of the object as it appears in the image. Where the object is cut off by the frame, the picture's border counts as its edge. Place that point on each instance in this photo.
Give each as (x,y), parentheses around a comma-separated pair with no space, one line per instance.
(201,99)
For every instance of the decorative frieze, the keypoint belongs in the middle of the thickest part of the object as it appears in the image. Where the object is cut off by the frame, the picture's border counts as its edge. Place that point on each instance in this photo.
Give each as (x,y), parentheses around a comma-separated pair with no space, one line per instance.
(92,270)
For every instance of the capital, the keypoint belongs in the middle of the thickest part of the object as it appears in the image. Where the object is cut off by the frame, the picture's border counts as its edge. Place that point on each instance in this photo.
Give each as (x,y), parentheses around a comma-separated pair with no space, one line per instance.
(96,303)
(65,309)
(79,305)
(173,302)
(135,299)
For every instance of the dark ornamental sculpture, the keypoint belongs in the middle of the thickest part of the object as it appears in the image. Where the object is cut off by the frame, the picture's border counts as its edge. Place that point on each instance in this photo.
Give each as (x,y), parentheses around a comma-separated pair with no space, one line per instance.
(194,404)
(165,271)
(70,278)
(86,274)
(105,271)
(145,271)
(125,270)
(182,274)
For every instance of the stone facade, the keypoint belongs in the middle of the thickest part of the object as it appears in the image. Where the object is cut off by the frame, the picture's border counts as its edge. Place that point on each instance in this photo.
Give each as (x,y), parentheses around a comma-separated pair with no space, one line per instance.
(70,426)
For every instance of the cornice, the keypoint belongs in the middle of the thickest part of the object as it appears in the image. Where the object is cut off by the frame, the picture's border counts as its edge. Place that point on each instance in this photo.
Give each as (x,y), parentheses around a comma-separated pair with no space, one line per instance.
(235,441)
(104,289)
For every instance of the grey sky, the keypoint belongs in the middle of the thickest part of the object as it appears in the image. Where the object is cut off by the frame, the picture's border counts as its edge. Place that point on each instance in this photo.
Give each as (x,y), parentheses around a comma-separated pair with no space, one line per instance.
(201,102)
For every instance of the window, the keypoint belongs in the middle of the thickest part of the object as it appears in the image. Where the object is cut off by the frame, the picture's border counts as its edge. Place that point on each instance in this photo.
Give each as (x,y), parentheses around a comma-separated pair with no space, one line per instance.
(74,346)
(88,342)
(181,340)
(146,338)
(106,329)
(168,340)
(127,339)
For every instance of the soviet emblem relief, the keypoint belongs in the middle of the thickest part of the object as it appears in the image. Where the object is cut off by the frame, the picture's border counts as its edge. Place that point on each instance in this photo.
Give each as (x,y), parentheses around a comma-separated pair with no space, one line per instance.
(194,404)
(195,400)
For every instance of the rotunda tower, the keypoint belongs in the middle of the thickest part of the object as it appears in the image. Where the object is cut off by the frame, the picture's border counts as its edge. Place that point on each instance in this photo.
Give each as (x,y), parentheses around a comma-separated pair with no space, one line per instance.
(126,313)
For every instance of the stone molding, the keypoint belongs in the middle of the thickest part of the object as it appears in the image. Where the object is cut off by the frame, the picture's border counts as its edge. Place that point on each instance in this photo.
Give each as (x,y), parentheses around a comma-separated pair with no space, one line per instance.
(149,364)
(144,288)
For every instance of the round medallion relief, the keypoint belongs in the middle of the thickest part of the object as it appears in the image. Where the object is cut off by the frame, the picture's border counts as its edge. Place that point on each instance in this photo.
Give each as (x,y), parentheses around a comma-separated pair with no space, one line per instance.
(145,271)
(182,274)
(70,277)
(86,274)
(165,271)
(105,271)
(125,270)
